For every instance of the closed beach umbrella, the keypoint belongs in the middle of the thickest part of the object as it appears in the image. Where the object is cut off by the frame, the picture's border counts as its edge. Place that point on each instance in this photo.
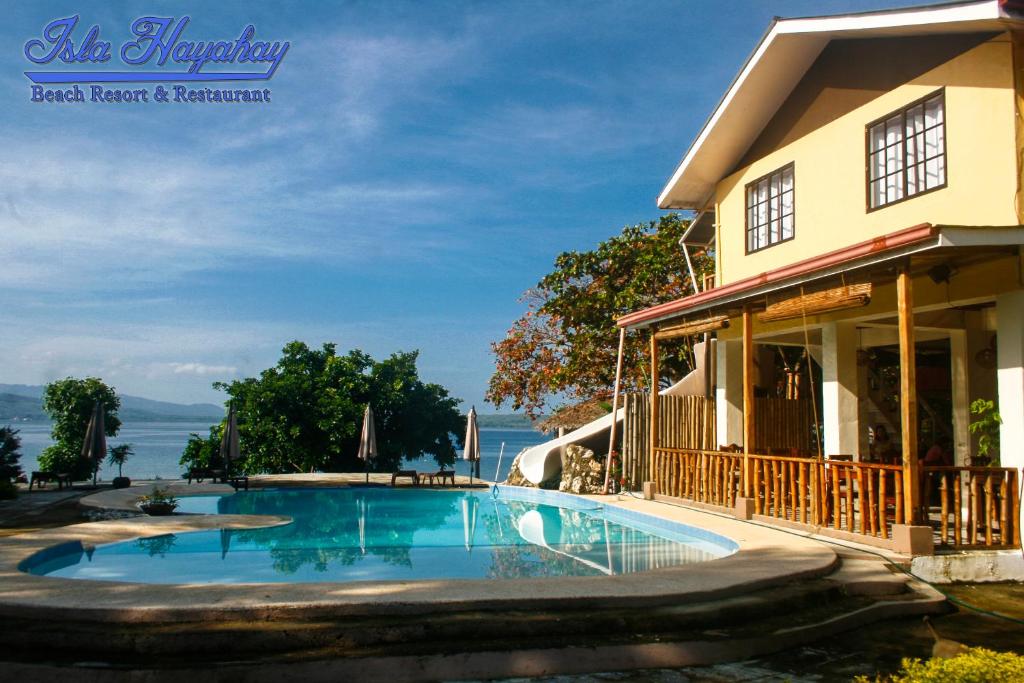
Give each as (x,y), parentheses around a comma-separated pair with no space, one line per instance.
(95,447)
(469,509)
(368,441)
(472,449)
(229,448)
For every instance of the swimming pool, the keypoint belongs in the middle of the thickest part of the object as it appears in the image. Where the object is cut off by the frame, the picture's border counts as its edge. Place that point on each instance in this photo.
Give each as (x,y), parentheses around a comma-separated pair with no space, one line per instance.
(372,534)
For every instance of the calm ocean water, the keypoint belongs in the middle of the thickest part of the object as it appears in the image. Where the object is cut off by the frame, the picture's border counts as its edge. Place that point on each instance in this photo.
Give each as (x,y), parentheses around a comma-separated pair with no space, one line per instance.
(158,446)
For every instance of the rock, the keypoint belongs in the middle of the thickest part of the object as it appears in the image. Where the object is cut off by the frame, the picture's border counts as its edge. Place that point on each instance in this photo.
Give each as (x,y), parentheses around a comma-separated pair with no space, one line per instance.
(515,476)
(582,471)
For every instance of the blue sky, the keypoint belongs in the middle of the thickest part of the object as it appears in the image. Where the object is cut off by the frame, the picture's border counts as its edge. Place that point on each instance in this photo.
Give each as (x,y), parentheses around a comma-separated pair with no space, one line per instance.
(418,167)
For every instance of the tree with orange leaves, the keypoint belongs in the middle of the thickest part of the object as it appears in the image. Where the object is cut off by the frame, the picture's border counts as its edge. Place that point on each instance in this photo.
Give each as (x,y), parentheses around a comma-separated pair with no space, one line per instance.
(564,346)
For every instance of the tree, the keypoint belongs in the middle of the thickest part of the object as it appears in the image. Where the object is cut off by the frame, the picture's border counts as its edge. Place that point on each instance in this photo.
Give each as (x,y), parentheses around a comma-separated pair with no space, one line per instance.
(203,453)
(119,455)
(305,413)
(566,342)
(69,403)
(10,452)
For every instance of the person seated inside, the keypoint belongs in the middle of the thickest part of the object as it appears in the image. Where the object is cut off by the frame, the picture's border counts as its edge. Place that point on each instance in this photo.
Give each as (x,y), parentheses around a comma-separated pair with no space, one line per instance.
(881,445)
(939,455)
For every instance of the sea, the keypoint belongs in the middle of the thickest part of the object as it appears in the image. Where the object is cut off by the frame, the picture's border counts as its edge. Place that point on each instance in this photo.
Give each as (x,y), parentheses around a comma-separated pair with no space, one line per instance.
(158,447)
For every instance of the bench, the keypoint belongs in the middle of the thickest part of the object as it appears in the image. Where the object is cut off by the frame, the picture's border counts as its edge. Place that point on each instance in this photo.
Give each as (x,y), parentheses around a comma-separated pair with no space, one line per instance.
(441,476)
(41,478)
(411,474)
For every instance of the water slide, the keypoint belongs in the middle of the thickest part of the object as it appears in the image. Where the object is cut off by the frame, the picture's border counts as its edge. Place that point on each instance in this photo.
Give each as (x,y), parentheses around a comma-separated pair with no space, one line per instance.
(543,461)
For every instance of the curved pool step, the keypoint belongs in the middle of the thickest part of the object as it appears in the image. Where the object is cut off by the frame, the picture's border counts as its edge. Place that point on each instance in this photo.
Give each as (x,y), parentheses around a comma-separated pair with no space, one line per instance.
(477,643)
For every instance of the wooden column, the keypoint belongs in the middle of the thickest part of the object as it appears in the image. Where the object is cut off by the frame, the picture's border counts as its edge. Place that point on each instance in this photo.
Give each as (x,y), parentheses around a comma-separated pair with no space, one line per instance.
(748,396)
(654,404)
(908,395)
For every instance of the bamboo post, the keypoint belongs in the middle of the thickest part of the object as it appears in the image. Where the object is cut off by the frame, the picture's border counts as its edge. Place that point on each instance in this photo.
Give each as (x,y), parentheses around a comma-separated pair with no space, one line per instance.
(748,396)
(958,513)
(883,513)
(908,395)
(654,400)
(615,410)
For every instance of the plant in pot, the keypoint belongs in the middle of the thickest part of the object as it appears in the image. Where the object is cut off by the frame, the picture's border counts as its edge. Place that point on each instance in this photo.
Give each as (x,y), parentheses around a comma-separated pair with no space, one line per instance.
(158,502)
(118,456)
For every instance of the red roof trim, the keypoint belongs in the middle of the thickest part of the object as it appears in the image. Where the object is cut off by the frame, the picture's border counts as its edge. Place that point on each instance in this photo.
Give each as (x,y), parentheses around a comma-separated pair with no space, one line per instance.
(894,240)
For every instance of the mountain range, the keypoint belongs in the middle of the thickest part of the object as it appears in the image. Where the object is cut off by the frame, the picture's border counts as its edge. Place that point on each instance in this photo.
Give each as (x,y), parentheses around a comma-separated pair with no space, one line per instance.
(24,403)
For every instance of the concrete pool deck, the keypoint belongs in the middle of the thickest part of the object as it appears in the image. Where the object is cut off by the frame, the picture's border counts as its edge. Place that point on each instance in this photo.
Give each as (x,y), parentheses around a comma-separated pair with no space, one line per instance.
(768,560)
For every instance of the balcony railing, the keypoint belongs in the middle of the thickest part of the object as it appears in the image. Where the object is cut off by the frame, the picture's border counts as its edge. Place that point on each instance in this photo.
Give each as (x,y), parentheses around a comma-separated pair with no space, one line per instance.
(968,507)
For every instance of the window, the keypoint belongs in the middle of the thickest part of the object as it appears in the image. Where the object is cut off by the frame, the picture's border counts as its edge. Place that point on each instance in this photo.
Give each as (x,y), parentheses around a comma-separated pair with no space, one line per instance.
(907,152)
(770,217)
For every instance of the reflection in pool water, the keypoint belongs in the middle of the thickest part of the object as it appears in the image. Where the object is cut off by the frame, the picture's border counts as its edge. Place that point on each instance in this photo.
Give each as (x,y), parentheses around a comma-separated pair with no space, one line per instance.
(357,534)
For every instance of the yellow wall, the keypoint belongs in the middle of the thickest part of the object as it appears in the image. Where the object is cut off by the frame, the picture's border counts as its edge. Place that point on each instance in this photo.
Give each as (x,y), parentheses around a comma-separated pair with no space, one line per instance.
(830,186)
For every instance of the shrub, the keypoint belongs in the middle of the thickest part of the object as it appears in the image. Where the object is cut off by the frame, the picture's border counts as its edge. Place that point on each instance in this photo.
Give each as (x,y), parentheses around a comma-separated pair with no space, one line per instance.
(977,665)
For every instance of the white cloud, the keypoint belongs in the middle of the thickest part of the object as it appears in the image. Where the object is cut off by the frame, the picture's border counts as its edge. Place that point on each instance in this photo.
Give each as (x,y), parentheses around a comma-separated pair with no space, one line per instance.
(203,369)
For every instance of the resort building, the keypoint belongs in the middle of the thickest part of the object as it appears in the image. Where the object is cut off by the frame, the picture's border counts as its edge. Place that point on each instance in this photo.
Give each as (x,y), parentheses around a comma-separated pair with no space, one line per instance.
(860,187)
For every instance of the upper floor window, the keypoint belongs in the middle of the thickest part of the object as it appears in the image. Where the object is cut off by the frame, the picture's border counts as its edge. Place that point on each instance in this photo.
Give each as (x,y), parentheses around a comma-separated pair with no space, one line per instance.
(770,217)
(907,152)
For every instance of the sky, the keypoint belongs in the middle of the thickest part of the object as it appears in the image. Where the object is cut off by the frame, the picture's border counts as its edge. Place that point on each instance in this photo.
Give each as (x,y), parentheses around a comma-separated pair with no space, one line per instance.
(419,165)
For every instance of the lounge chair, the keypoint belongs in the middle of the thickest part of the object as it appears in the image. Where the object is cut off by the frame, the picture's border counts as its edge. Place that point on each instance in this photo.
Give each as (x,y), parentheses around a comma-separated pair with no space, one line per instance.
(441,475)
(411,474)
(39,480)
(200,473)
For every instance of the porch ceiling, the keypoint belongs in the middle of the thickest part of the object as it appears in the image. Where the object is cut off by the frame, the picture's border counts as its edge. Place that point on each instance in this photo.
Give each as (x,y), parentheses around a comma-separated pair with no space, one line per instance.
(925,246)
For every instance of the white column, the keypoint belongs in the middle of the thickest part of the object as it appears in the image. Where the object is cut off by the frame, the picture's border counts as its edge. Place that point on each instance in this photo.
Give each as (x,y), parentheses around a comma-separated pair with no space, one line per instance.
(839,388)
(729,392)
(1010,361)
(960,396)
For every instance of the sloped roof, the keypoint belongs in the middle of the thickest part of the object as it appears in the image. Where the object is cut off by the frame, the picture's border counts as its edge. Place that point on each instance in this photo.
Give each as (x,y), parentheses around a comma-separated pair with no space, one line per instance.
(779,62)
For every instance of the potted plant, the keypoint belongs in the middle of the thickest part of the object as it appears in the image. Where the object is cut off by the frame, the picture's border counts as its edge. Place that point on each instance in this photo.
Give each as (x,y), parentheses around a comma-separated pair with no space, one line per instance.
(158,502)
(118,456)
(986,427)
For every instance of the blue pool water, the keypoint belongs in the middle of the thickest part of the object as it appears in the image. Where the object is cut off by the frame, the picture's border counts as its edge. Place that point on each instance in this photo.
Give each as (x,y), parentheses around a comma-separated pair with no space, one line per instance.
(369,534)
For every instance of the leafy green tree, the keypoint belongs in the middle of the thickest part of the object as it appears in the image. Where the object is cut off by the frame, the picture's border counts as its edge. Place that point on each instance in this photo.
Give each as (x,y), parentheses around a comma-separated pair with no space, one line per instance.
(10,452)
(203,453)
(69,402)
(566,342)
(305,413)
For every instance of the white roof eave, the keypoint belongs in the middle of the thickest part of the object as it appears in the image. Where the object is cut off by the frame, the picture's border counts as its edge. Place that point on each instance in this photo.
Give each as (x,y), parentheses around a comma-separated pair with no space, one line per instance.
(779,61)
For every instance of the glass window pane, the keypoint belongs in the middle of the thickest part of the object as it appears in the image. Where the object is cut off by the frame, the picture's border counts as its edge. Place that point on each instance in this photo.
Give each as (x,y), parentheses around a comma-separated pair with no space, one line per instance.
(878,137)
(787,227)
(935,172)
(933,111)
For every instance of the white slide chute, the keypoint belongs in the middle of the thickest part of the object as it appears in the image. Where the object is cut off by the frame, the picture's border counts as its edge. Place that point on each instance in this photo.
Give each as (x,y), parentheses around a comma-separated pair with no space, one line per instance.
(542,462)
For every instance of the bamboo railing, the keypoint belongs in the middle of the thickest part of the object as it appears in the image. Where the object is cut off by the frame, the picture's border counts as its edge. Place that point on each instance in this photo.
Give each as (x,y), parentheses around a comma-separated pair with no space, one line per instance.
(710,477)
(786,487)
(979,507)
(861,497)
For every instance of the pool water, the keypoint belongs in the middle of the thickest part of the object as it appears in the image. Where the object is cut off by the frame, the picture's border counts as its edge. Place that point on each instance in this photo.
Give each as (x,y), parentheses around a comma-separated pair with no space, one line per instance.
(369,534)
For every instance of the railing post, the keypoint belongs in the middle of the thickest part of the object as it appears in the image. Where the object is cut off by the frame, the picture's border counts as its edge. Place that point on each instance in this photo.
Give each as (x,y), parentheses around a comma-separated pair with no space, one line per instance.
(654,403)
